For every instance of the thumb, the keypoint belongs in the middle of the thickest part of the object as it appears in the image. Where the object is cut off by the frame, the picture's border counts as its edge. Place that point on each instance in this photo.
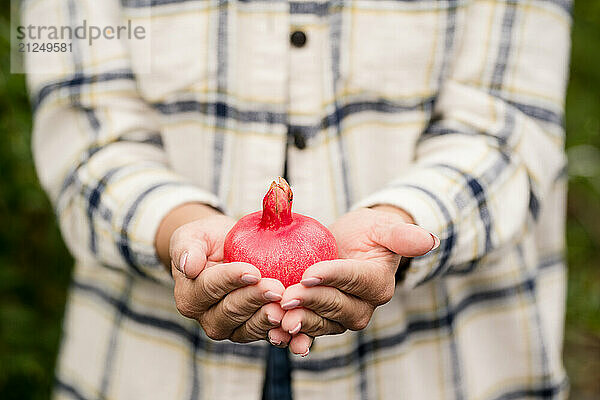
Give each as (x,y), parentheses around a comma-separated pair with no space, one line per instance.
(404,239)
(188,252)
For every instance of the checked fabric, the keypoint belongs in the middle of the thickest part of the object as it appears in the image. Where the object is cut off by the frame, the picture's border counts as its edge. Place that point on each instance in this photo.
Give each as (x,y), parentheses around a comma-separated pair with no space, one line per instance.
(449,109)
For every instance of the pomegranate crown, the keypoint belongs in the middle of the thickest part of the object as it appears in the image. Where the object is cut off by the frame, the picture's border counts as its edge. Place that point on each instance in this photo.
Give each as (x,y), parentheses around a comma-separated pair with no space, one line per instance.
(277,205)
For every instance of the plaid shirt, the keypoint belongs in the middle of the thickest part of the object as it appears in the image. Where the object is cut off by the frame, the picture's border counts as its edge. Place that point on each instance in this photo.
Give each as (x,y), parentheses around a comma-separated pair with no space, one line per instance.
(449,109)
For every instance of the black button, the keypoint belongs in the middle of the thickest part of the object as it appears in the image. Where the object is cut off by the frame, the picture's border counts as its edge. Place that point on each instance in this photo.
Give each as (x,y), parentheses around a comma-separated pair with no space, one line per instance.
(298,39)
(299,139)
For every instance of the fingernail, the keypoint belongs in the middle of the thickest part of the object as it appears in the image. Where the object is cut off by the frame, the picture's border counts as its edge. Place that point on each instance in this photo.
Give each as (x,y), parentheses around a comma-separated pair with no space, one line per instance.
(250,279)
(272,296)
(305,353)
(273,341)
(310,282)
(182,261)
(272,320)
(436,242)
(296,329)
(290,304)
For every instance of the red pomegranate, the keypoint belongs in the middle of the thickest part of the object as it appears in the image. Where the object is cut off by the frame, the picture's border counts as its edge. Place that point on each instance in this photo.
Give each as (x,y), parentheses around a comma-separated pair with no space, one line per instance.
(281,244)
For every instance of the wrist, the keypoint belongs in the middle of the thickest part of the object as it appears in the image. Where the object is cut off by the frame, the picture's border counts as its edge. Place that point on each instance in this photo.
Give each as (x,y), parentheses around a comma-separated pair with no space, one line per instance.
(177,217)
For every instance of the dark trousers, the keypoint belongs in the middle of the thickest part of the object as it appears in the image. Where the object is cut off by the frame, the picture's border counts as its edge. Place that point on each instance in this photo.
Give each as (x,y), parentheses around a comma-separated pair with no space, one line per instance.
(278,379)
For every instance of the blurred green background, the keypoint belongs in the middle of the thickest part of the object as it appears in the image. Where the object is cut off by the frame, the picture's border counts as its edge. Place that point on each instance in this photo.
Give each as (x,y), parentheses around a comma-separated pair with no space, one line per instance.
(35,266)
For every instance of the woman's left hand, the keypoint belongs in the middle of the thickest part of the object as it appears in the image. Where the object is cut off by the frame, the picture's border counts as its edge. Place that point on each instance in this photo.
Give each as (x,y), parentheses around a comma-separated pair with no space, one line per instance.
(342,294)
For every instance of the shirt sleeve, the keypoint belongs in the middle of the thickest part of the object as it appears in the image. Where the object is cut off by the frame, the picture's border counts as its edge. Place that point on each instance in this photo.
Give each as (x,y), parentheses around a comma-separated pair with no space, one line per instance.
(494,147)
(97,145)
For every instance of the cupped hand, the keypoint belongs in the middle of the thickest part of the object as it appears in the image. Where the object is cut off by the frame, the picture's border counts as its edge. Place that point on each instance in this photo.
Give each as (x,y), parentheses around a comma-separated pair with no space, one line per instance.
(230,301)
(342,294)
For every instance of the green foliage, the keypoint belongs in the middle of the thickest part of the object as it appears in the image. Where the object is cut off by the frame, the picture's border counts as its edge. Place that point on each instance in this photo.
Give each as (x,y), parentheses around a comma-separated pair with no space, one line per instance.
(582,344)
(35,266)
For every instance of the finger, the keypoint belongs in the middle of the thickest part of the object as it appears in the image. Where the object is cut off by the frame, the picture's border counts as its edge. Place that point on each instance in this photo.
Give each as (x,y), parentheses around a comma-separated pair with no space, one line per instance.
(389,230)
(266,318)
(198,295)
(300,344)
(367,280)
(307,321)
(330,303)
(238,306)
(187,250)
(278,337)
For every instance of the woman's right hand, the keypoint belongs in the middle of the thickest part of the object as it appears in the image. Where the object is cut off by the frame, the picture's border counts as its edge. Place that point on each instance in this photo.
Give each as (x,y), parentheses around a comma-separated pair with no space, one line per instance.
(230,301)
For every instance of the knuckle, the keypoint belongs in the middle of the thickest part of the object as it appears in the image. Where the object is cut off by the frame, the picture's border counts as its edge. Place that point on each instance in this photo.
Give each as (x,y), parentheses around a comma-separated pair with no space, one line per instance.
(374,231)
(360,322)
(242,337)
(199,235)
(185,307)
(338,301)
(239,336)
(212,328)
(179,291)
(385,295)
(333,303)
(184,310)
(236,337)
(339,328)
(229,275)
(253,301)
(357,278)
(177,239)
(208,286)
(319,328)
(232,310)
(213,332)
(350,279)
(256,329)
